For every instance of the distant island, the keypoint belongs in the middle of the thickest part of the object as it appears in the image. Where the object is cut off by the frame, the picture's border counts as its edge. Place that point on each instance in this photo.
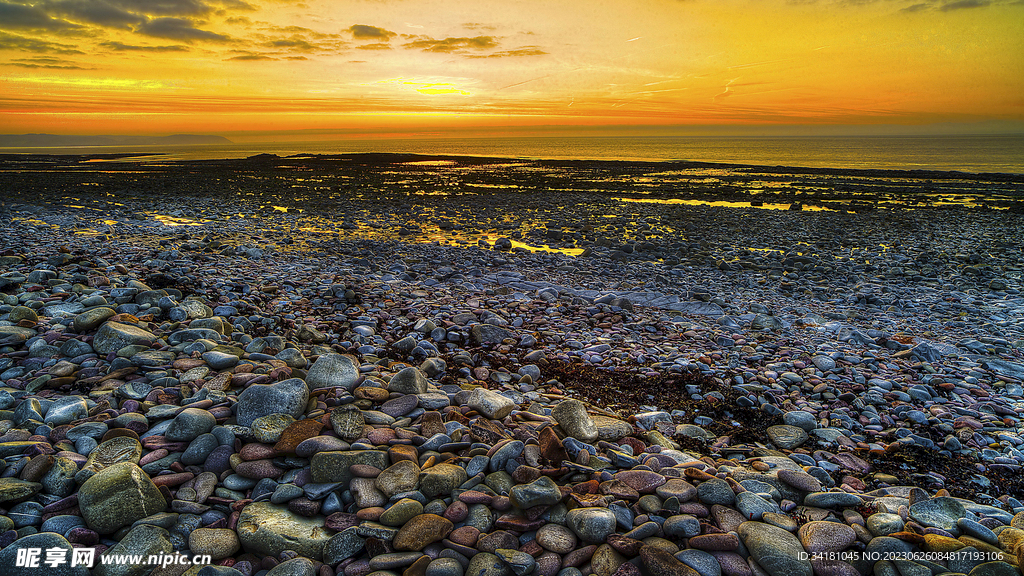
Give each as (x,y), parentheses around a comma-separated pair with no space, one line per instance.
(59,141)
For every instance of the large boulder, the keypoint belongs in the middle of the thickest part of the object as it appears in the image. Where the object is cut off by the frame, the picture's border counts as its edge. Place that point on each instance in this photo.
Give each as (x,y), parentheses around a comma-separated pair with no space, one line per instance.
(285,397)
(113,336)
(269,529)
(117,496)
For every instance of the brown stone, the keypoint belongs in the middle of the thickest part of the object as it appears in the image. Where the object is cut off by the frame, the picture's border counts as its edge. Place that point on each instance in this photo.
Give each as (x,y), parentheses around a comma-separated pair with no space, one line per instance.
(295,433)
(422,531)
(662,563)
(400,452)
(551,447)
(431,424)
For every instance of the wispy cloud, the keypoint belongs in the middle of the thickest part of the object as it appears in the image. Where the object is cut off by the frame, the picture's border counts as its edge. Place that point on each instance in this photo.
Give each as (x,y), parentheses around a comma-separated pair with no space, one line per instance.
(524,51)
(45,62)
(365,32)
(962,4)
(16,42)
(450,45)
(250,57)
(122,47)
(181,29)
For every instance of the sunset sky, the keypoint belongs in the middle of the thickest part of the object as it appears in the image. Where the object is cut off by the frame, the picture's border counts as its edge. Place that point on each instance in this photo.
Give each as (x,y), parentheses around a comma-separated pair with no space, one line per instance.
(259,69)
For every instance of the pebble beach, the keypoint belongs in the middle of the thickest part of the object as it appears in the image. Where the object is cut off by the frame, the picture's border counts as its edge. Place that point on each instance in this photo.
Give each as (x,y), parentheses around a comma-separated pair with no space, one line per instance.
(437,366)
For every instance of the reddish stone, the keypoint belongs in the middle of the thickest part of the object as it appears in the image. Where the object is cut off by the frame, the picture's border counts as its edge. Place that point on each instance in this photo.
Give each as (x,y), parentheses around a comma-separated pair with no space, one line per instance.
(588,487)
(258,469)
(457,511)
(295,433)
(619,489)
(465,536)
(380,436)
(431,424)
(626,546)
(475,497)
(643,481)
(727,542)
(173,479)
(364,471)
(578,557)
(257,451)
(551,447)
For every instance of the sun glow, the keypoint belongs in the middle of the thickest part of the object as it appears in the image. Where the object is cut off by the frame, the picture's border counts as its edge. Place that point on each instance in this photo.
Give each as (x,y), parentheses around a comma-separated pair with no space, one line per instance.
(350,66)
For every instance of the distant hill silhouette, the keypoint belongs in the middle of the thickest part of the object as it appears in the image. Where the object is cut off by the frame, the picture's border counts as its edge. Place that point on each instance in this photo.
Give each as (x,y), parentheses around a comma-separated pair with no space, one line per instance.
(59,141)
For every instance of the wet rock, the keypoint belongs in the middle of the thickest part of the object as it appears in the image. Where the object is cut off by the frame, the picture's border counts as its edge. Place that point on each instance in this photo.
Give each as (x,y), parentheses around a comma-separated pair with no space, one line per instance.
(118,496)
(265,528)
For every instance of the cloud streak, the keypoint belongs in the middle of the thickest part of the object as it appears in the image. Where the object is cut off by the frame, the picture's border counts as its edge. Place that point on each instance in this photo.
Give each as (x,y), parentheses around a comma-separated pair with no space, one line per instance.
(16,42)
(181,29)
(451,45)
(365,32)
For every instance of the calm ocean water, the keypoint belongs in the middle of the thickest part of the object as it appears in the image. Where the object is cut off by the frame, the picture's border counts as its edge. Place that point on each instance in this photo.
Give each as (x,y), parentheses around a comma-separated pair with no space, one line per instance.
(962,153)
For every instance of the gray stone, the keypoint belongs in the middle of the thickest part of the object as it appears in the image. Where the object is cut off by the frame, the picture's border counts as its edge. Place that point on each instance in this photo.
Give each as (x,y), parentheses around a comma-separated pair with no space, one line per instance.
(142,540)
(117,496)
(541,492)
(265,528)
(787,437)
(66,410)
(940,512)
(220,360)
(408,381)
(487,564)
(347,422)
(774,549)
(331,371)
(800,419)
(832,500)
(328,467)
(591,524)
(489,334)
(41,541)
(113,336)
(189,424)
(286,397)
(572,417)
(343,545)
(491,404)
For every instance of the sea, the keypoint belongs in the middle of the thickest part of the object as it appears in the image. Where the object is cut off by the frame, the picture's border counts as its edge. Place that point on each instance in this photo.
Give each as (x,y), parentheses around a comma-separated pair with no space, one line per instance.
(973,154)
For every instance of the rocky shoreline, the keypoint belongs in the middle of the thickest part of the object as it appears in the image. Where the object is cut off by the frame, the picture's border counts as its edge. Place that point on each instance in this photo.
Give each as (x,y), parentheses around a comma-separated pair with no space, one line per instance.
(500,382)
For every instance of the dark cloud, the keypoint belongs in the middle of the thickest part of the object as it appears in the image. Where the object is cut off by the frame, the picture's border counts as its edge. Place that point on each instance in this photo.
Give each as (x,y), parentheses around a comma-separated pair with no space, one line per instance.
(237,5)
(296,44)
(181,29)
(238,21)
(26,17)
(449,45)
(296,58)
(364,32)
(120,47)
(524,51)
(163,7)
(961,4)
(15,42)
(251,57)
(96,12)
(45,62)
(916,8)
(375,46)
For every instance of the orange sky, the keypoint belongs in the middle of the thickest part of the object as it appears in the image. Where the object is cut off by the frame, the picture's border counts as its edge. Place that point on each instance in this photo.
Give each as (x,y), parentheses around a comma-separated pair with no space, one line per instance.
(278,69)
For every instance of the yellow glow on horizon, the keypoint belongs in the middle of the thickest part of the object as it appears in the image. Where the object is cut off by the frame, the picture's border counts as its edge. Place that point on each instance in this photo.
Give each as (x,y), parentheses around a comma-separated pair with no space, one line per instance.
(386,67)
